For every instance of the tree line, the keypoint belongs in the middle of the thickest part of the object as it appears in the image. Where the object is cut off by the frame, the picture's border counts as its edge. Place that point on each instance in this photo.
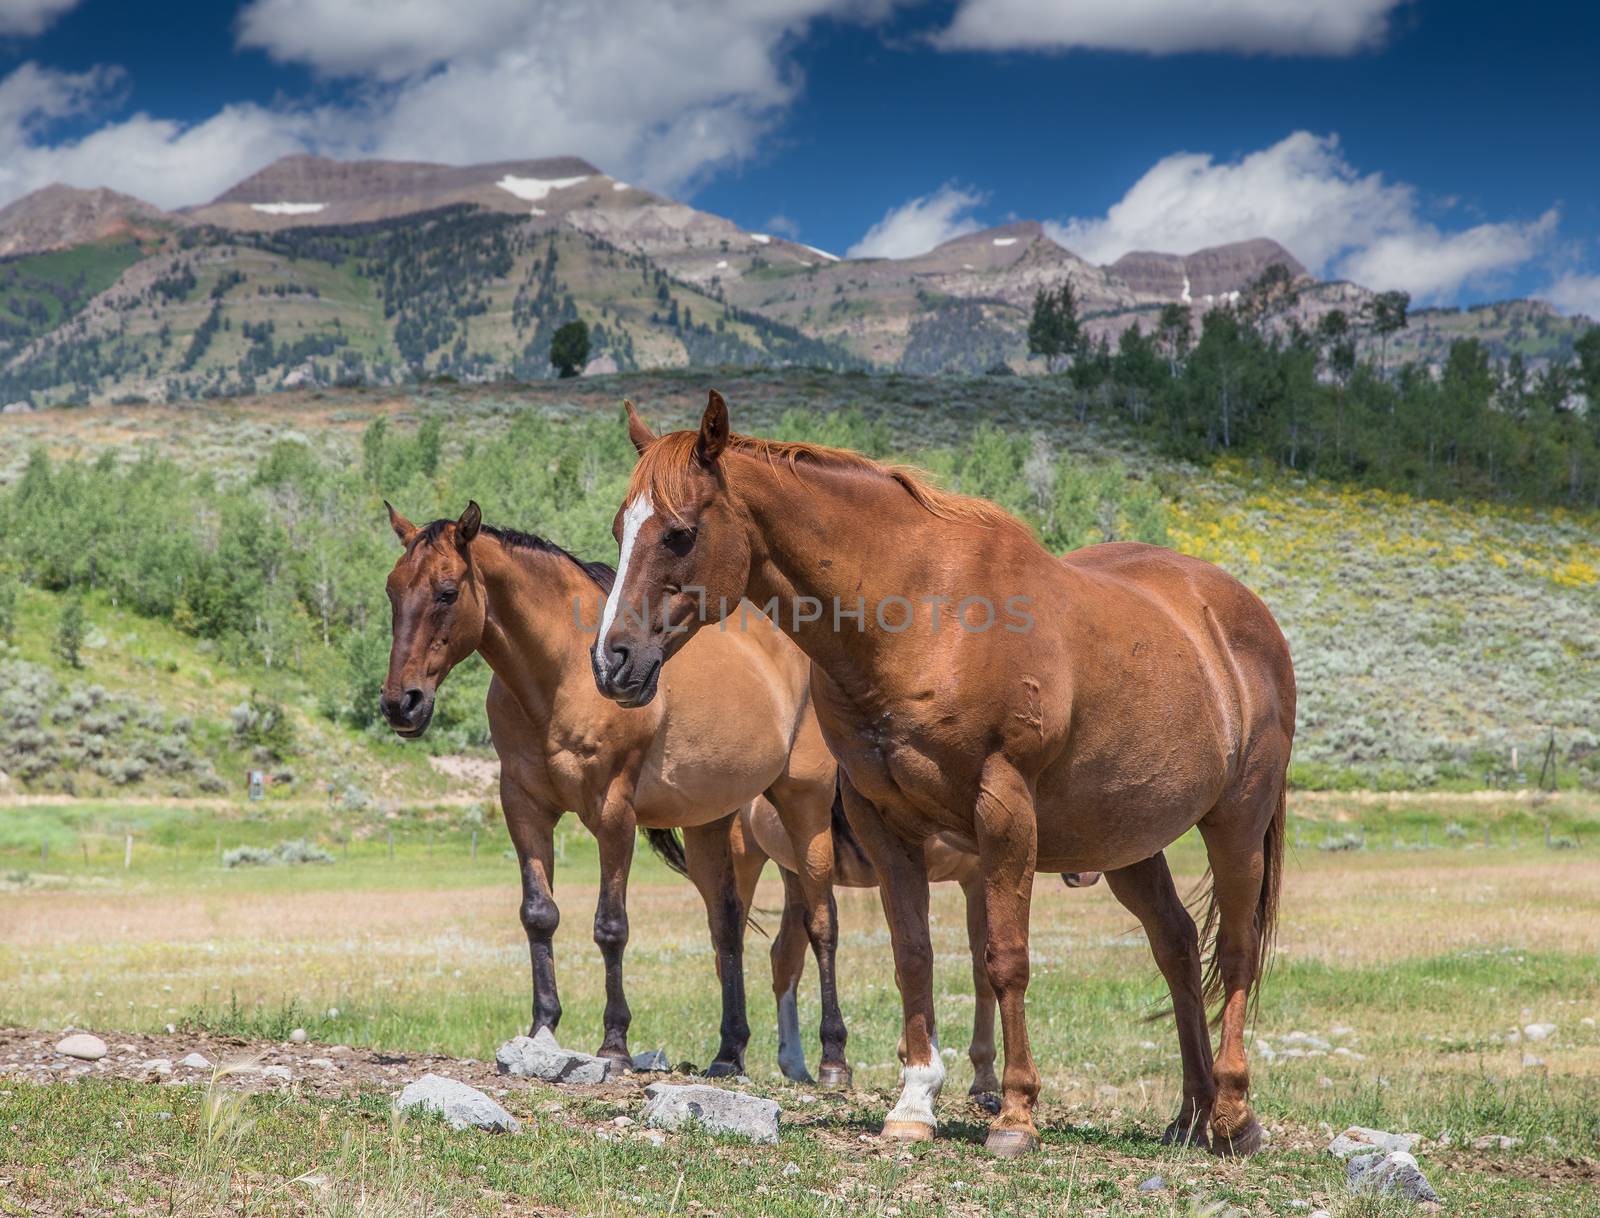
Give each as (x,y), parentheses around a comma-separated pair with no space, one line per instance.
(1328,401)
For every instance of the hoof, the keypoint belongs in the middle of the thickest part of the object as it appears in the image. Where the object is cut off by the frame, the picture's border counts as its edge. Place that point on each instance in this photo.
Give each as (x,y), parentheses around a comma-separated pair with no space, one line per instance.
(1245,1140)
(1186,1133)
(1011,1143)
(723,1069)
(834,1078)
(907,1131)
(987,1100)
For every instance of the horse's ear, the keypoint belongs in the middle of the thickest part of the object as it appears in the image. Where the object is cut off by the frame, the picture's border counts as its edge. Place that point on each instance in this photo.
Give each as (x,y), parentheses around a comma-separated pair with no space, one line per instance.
(713,429)
(403,528)
(467,526)
(638,430)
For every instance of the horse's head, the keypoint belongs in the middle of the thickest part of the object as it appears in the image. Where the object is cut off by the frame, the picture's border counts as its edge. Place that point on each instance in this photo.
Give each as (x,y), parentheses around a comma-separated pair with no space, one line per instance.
(438,612)
(685,554)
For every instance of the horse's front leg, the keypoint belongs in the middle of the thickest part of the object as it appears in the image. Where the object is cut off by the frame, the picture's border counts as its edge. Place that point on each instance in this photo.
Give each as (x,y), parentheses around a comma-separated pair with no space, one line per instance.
(903,886)
(615,834)
(710,861)
(532,827)
(1007,850)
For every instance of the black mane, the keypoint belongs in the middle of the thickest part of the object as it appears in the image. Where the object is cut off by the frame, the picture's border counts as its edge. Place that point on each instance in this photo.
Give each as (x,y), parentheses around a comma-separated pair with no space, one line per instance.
(599,573)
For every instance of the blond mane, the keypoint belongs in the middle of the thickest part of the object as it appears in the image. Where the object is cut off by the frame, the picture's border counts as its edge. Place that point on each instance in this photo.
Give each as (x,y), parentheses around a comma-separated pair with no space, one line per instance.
(663,473)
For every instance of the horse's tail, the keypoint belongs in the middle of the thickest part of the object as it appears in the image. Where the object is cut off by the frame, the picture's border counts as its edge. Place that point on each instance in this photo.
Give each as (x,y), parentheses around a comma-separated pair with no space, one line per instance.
(669,848)
(1266,919)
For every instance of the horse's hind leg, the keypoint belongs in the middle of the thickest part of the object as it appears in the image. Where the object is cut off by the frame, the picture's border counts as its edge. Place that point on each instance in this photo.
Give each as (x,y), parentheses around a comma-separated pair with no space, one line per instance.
(804,799)
(985,1085)
(1244,841)
(709,857)
(1147,892)
(788,964)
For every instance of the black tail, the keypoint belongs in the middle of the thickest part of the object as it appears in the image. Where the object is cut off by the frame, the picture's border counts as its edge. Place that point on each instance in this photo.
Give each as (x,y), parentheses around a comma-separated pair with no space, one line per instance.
(669,848)
(845,840)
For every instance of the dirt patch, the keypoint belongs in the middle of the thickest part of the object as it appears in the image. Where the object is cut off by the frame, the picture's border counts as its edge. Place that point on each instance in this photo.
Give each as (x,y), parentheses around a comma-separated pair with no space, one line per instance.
(476,772)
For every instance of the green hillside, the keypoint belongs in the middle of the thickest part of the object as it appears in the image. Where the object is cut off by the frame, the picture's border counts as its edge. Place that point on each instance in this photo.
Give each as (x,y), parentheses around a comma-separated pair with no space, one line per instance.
(458,293)
(246,542)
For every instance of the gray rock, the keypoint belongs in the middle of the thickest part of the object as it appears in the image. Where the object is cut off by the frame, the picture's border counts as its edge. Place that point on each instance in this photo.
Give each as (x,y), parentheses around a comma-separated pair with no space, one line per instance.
(282,1073)
(1153,1185)
(322,1063)
(463,1106)
(1359,1140)
(655,1061)
(156,1065)
(670,1105)
(83,1046)
(195,1061)
(1539,1031)
(539,1056)
(1395,1173)
(1532,1061)
(298,1036)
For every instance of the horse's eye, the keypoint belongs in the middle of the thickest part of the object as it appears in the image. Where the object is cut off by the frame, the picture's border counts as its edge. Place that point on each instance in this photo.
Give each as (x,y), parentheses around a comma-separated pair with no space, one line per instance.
(447,596)
(679,541)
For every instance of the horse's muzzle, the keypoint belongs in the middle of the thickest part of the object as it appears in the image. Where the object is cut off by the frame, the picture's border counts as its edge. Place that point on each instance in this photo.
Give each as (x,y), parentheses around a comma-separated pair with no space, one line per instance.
(408,712)
(628,677)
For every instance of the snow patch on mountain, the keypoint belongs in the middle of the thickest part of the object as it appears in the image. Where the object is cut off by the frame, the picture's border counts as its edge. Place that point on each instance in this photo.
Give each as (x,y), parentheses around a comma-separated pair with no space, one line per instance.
(288,209)
(534,189)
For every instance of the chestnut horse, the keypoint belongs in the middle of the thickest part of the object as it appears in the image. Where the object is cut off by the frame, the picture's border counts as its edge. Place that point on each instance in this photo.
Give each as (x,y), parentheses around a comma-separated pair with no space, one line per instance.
(759,835)
(530,609)
(1042,712)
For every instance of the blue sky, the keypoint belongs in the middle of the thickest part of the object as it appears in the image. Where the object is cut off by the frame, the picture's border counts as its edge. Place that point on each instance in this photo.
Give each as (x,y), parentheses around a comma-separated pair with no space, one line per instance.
(1443,146)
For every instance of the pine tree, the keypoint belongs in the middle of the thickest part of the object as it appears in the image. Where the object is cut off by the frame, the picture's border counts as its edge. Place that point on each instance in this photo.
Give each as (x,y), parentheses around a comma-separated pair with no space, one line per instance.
(69,634)
(1054,331)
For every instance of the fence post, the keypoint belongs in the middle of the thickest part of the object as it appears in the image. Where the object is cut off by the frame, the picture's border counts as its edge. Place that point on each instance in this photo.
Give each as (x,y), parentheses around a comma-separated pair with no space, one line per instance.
(127,852)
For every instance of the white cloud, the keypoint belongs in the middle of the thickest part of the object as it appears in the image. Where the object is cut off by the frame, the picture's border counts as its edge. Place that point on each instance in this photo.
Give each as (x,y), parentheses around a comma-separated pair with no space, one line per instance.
(783,226)
(1575,293)
(165,162)
(919,224)
(1303,193)
(29,17)
(1166,27)
(661,93)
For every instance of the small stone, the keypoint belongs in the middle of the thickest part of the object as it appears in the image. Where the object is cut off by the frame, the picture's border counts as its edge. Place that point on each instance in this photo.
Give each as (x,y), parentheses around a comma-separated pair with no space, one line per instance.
(156,1065)
(298,1036)
(1495,1141)
(1359,1140)
(322,1063)
(652,1061)
(163,1116)
(622,1122)
(1153,1185)
(1318,1214)
(732,1112)
(1532,1061)
(171,1029)
(1539,1031)
(195,1061)
(463,1106)
(791,1169)
(333,1012)
(82,1046)
(1395,1173)
(1299,1205)
(281,1073)
(541,1057)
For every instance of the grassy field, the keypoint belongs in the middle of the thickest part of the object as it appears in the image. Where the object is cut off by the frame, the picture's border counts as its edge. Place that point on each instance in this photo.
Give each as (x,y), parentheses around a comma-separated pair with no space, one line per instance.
(1413,966)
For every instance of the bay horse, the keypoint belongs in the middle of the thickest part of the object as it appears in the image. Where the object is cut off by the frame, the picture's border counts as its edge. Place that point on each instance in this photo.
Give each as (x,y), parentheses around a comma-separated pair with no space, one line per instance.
(1041,712)
(530,609)
(759,835)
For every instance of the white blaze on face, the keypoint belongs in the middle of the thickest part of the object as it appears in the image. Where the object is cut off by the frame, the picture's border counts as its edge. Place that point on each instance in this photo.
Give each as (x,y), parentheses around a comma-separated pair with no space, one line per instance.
(639,511)
(919,1087)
